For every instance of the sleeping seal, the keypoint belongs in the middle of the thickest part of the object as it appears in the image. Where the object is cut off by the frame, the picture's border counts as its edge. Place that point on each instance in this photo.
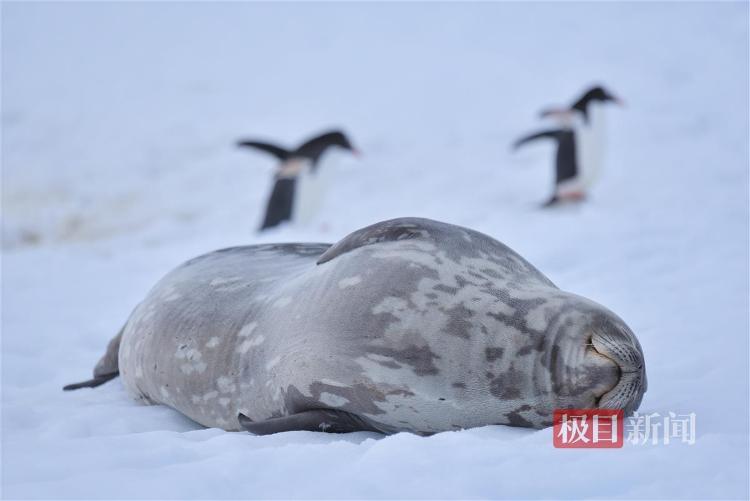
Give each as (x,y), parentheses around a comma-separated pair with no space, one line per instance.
(406,325)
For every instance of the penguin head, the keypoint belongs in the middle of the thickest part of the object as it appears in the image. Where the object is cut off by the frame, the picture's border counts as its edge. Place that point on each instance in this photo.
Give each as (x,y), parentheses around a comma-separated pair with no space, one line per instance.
(595,94)
(315,147)
(338,138)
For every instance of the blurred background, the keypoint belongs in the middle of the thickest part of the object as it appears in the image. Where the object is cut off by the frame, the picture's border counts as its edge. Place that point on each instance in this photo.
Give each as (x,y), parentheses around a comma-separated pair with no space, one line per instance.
(119,124)
(121,118)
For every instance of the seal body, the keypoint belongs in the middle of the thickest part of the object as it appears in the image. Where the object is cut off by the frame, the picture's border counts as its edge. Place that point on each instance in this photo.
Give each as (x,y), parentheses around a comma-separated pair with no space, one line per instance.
(406,325)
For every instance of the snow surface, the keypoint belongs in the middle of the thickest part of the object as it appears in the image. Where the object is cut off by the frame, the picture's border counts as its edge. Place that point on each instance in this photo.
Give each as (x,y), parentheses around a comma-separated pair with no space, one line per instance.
(118,164)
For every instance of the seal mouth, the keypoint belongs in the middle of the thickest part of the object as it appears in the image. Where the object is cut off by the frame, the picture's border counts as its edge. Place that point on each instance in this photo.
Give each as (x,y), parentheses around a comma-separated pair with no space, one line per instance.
(623,349)
(603,373)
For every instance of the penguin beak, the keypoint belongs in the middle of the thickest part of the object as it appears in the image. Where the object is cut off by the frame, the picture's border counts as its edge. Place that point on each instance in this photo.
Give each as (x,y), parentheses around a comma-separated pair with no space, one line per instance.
(618,101)
(357,153)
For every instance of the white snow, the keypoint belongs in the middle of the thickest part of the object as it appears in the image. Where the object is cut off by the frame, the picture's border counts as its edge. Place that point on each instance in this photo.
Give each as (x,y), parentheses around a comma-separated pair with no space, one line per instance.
(118,164)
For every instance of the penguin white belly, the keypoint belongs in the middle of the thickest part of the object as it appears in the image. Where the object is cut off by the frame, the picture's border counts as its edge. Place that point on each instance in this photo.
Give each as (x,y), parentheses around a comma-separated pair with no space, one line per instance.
(590,146)
(310,193)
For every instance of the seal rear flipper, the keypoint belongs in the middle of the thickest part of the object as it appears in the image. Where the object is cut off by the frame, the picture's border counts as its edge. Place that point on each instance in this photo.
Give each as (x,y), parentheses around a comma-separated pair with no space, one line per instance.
(106,369)
(327,420)
(92,383)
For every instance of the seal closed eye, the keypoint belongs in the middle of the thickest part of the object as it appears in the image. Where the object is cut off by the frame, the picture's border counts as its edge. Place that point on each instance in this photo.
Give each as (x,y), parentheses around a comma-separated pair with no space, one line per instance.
(406,325)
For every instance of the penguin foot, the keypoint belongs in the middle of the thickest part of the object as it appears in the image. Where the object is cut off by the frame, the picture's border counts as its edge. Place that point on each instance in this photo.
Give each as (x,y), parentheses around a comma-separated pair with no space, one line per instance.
(570,197)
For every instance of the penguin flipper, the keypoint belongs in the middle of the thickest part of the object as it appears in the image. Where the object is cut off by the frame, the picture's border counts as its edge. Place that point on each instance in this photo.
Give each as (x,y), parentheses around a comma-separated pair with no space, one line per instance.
(277,151)
(326,420)
(546,134)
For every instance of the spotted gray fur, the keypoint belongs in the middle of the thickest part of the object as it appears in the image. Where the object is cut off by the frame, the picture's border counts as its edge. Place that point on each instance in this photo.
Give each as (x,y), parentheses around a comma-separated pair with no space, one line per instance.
(409,324)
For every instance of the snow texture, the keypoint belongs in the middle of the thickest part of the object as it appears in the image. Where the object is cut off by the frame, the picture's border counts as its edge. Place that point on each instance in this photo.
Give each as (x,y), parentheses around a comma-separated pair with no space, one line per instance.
(118,164)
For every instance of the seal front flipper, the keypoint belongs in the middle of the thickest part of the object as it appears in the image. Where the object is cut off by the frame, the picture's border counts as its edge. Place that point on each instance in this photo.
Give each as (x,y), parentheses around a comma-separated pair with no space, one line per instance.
(327,420)
(92,383)
(393,230)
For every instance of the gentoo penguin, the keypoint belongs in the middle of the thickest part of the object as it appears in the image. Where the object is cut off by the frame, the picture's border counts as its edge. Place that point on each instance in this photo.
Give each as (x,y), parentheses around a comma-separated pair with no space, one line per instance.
(579,133)
(298,188)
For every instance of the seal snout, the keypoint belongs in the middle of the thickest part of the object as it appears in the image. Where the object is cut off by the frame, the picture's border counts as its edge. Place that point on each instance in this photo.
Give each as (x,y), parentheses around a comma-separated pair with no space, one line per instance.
(601,372)
(620,346)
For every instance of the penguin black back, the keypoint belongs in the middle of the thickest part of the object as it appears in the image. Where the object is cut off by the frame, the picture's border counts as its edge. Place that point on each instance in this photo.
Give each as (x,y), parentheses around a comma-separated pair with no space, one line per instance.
(281,203)
(566,164)
(565,158)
